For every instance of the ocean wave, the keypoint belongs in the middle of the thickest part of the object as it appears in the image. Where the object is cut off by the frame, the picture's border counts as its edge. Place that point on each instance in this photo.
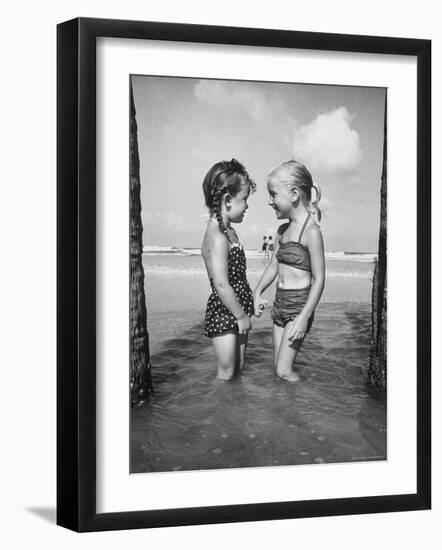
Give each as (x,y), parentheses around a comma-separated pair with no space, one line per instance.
(162,270)
(351,256)
(350,274)
(250,253)
(168,270)
(170,251)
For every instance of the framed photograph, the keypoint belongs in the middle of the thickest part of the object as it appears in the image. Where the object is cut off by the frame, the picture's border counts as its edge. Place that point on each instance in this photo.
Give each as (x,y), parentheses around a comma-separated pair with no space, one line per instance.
(244,253)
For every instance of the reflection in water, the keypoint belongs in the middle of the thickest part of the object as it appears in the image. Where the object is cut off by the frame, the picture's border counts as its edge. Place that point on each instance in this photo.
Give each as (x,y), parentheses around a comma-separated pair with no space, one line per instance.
(195,422)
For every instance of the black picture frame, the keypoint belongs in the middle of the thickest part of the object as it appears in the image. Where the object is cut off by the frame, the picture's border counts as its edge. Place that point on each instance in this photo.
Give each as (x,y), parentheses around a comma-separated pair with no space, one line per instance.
(76,273)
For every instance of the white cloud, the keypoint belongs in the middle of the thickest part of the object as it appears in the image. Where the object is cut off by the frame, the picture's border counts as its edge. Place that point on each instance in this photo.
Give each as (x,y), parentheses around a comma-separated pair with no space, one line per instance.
(233,94)
(328,144)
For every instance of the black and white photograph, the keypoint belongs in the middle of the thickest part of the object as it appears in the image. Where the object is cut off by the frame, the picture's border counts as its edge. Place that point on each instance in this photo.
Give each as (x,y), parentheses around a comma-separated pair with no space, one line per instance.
(258,274)
(220,238)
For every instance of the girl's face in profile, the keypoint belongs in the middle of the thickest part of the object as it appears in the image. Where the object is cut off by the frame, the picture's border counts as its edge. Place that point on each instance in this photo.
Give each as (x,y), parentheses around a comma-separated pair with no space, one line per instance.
(238,204)
(280,198)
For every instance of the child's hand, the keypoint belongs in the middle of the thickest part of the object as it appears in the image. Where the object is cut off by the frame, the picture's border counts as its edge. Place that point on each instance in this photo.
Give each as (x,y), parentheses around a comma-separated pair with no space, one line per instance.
(298,328)
(244,324)
(259,305)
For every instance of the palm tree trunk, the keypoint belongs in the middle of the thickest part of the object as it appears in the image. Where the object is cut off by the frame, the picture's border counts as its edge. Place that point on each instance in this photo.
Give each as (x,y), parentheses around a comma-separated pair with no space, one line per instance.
(140,367)
(377,371)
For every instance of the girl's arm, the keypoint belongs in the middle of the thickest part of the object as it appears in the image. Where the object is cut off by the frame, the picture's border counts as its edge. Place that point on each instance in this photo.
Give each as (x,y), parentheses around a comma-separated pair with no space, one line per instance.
(219,251)
(316,248)
(268,276)
(271,271)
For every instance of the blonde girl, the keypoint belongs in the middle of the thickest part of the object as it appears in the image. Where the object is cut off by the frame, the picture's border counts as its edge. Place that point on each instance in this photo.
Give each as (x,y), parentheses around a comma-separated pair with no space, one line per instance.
(297,263)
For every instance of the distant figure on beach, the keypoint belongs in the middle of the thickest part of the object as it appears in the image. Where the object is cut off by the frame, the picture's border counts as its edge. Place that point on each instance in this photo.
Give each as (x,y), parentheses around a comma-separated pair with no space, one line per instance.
(265,246)
(297,262)
(270,246)
(227,187)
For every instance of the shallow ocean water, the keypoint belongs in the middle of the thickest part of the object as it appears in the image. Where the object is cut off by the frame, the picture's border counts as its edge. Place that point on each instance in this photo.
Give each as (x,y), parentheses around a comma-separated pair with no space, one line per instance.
(193,422)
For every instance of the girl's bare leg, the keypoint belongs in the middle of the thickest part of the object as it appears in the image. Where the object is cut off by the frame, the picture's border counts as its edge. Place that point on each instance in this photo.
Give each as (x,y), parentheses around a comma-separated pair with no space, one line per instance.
(277,337)
(241,349)
(226,355)
(287,355)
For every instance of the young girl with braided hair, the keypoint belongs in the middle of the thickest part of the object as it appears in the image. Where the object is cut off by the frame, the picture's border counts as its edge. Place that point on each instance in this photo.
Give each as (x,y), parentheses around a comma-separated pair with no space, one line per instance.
(297,262)
(227,187)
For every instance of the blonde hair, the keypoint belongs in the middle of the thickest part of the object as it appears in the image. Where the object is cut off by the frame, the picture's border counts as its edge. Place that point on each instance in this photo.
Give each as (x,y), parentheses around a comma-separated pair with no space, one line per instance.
(296,175)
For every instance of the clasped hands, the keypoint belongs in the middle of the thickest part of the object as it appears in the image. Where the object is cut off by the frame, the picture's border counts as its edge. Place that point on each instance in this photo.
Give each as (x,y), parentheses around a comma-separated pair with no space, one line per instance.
(259,305)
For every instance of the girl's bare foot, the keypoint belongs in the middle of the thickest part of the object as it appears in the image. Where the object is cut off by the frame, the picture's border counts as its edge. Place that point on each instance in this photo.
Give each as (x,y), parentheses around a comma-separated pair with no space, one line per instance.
(289,376)
(224,377)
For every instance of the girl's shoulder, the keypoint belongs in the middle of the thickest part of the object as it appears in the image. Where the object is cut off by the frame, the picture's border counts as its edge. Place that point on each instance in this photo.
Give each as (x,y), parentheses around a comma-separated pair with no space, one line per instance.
(313,228)
(214,240)
(312,233)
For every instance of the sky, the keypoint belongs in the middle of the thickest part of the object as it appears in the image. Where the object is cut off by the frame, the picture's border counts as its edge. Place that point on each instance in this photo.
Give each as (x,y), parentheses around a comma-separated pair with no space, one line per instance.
(185,125)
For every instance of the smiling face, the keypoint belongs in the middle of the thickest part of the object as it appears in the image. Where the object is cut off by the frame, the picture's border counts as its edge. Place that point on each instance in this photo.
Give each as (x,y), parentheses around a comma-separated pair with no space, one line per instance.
(280,198)
(236,206)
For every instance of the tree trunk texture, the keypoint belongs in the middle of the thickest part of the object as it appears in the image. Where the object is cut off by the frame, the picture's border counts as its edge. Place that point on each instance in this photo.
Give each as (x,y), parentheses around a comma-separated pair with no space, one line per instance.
(140,367)
(377,371)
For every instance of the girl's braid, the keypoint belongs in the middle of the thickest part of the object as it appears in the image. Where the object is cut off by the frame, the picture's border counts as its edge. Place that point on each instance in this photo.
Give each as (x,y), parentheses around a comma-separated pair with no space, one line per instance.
(216,196)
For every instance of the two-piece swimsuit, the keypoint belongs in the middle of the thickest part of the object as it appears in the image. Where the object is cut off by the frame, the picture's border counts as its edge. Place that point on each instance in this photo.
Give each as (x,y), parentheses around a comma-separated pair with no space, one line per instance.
(219,319)
(289,302)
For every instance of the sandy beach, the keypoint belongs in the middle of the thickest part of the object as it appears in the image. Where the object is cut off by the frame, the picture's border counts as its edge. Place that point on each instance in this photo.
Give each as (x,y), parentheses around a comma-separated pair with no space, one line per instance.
(195,422)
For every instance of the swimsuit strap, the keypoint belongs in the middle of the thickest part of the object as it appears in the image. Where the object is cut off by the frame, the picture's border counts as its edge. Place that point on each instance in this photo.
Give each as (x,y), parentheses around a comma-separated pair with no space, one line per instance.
(303,227)
(231,241)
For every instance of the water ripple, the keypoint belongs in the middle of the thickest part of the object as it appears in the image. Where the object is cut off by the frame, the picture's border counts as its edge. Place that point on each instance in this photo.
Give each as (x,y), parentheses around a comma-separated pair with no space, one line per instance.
(194,421)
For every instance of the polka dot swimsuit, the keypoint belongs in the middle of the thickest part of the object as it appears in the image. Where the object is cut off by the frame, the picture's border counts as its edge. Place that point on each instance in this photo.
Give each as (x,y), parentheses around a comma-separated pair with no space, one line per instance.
(219,320)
